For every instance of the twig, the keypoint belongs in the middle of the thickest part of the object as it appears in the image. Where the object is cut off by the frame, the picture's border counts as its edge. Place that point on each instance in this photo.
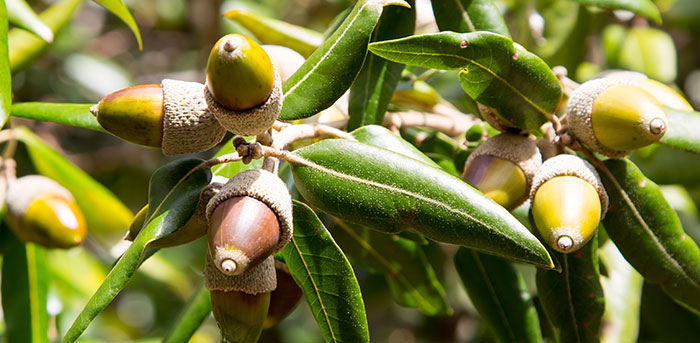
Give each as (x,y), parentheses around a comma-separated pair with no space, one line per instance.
(452,126)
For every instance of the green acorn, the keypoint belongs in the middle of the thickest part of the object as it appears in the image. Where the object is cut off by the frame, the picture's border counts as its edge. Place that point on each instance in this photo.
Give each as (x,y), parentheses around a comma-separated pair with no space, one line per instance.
(567,202)
(172,116)
(41,211)
(661,92)
(502,168)
(614,116)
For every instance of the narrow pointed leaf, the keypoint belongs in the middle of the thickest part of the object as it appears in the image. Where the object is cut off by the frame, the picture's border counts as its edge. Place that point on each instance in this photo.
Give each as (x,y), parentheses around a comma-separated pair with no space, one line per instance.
(382,137)
(573,298)
(92,198)
(5,75)
(191,318)
(24,290)
(493,71)
(499,293)
(326,277)
(25,46)
(469,16)
(173,197)
(664,319)
(372,90)
(118,8)
(331,69)
(21,15)
(623,291)
(278,32)
(683,128)
(391,193)
(649,234)
(646,8)
(411,279)
(77,115)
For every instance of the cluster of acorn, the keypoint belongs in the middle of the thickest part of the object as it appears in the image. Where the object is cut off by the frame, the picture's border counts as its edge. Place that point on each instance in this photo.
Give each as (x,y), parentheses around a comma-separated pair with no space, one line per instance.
(248,217)
(612,116)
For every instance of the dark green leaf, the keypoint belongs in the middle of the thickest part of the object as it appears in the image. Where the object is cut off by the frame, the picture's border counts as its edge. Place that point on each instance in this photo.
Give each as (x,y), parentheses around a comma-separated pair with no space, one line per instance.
(93,199)
(273,31)
(191,318)
(118,8)
(25,47)
(516,83)
(666,165)
(391,193)
(469,16)
(382,137)
(77,115)
(331,69)
(5,77)
(374,86)
(21,15)
(173,197)
(649,234)
(623,291)
(323,272)
(24,289)
(573,298)
(643,7)
(665,320)
(499,293)
(683,128)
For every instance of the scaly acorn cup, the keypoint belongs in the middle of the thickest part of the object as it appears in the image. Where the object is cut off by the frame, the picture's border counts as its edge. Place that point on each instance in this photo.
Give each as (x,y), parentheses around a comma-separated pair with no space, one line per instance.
(661,92)
(41,211)
(284,298)
(502,168)
(172,116)
(244,88)
(614,116)
(567,202)
(250,218)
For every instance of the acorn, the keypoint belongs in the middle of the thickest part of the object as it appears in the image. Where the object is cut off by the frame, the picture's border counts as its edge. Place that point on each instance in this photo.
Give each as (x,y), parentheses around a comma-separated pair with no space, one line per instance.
(614,116)
(502,168)
(250,218)
(661,92)
(41,211)
(567,202)
(172,116)
(243,88)
(284,298)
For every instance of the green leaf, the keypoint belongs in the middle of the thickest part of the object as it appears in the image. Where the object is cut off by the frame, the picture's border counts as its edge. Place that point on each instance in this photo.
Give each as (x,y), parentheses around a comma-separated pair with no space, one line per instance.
(567,24)
(382,137)
(118,8)
(643,7)
(666,321)
(77,115)
(374,86)
(623,291)
(278,32)
(172,199)
(93,199)
(411,279)
(573,299)
(499,293)
(391,193)
(25,46)
(683,128)
(191,318)
(5,77)
(20,14)
(331,69)
(650,51)
(649,234)
(24,289)
(326,277)
(516,83)
(469,16)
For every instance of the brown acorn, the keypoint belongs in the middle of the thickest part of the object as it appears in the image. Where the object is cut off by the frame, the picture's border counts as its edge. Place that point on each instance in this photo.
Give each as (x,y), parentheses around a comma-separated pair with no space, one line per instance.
(284,298)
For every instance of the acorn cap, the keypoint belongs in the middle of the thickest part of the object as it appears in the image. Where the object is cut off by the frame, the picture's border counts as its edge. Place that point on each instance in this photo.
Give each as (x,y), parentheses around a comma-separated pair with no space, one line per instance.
(260,278)
(22,192)
(518,149)
(188,125)
(250,122)
(570,165)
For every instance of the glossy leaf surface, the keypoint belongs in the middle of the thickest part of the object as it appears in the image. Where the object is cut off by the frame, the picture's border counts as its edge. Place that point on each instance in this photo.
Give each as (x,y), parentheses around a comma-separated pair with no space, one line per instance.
(327,279)
(374,86)
(643,7)
(573,298)
(683,128)
(331,69)
(21,15)
(382,137)
(469,16)
(649,234)
(499,293)
(118,8)
(77,115)
(5,77)
(173,197)
(191,318)
(391,193)
(278,32)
